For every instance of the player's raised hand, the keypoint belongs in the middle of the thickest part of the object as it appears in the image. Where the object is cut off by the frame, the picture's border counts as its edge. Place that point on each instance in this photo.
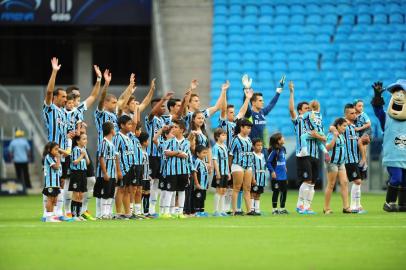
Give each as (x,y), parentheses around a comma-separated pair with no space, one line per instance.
(282,81)
(132,79)
(97,70)
(246,81)
(378,88)
(249,93)
(107,75)
(291,87)
(55,64)
(153,83)
(168,95)
(225,86)
(194,84)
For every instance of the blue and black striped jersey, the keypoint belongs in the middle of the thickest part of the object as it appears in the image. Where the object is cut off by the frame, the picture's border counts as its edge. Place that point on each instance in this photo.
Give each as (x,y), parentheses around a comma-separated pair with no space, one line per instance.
(125,150)
(100,118)
(161,147)
(137,149)
(313,121)
(56,124)
(220,155)
(259,169)
(167,119)
(177,165)
(200,167)
(351,144)
(189,116)
(51,176)
(229,127)
(152,126)
(75,154)
(109,153)
(202,139)
(300,129)
(145,164)
(241,150)
(337,153)
(75,115)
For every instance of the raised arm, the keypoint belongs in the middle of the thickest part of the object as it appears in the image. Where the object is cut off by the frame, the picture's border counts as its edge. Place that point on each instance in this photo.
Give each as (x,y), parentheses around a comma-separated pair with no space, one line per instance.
(51,83)
(185,102)
(377,104)
(248,95)
(107,80)
(292,111)
(125,96)
(96,88)
(158,105)
(148,98)
(219,102)
(272,103)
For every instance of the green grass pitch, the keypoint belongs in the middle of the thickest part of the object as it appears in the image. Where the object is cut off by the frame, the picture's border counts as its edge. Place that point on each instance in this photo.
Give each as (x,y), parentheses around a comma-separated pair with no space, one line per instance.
(375,240)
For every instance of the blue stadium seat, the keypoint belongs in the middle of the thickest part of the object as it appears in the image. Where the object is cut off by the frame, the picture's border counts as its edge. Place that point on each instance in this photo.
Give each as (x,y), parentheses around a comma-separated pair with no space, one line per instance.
(348,19)
(220,10)
(249,29)
(297,9)
(218,66)
(295,66)
(326,29)
(344,29)
(395,45)
(322,38)
(329,56)
(396,18)
(379,9)
(219,38)
(234,29)
(297,19)
(264,75)
(280,66)
(234,66)
(282,9)
(218,57)
(393,8)
(294,56)
(330,19)
(345,9)
(219,47)
(251,10)
(235,38)
(280,29)
(235,48)
(313,9)
(327,65)
(311,56)
(279,56)
(281,19)
(233,56)
(250,19)
(314,19)
(361,65)
(235,9)
(296,29)
(380,18)
(266,10)
(219,29)
(265,29)
(344,56)
(343,65)
(364,19)
(234,20)
(329,9)
(379,46)
(249,56)
(218,75)
(316,84)
(220,20)
(265,20)
(264,66)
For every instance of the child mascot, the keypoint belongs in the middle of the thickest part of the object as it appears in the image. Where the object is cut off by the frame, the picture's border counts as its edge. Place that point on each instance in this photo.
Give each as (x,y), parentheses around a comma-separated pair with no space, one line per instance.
(393,124)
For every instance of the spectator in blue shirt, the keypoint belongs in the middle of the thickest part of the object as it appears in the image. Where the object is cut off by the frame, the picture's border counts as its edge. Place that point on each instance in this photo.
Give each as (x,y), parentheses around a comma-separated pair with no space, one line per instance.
(19,150)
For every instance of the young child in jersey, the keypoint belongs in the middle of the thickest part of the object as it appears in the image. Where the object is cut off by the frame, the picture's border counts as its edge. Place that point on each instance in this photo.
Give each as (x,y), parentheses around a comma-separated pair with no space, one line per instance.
(201,180)
(221,175)
(276,164)
(258,176)
(146,179)
(363,128)
(78,180)
(109,168)
(313,121)
(52,174)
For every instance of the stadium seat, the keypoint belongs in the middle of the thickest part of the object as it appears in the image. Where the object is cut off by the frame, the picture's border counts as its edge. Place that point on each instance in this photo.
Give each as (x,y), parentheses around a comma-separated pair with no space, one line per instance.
(297,10)
(234,29)
(345,9)
(330,19)
(364,19)
(220,10)
(235,9)
(280,66)
(251,10)
(234,20)
(220,20)
(265,66)
(380,18)
(266,10)
(281,19)
(297,19)
(295,66)
(348,19)
(265,20)
(396,18)
(219,38)
(249,29)
(250,19)
(314,19)
(313,9)
(329,9)
(233,56)
(282,10)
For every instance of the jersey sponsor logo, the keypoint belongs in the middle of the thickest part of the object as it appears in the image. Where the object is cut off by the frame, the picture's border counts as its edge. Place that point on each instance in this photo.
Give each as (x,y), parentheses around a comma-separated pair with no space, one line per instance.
(400,142)
(259,122)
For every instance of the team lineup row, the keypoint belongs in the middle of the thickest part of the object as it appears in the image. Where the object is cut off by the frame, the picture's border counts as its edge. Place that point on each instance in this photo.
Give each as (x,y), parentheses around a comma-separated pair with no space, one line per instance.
(172,157)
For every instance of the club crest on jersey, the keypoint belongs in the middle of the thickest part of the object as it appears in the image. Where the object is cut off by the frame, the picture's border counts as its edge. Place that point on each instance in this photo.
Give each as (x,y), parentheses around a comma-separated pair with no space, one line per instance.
(255,188)
(75,185)
(305,175)
(354,174)
(400,142)
(168,186)
(198,195)
(50,190)
(161,185)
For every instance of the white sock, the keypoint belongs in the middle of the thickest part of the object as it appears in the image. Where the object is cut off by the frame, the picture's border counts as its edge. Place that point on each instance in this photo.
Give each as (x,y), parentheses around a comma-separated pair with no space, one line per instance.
(110,206)
(167,201)
(153,197)
(59,204)
(98,208)
(48,215)
(257,209)
(44,205)
(162,202)
(300,199)
(355,196)
(252,205)
(172,208)
(137,208)
(181,200)
(67,197)
(84,203)
(132,207)
(310,196)
(216,203)
(221,203)
(103,207)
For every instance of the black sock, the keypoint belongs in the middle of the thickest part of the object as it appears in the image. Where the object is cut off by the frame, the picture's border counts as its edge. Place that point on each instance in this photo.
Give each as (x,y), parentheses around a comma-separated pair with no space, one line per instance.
(73,208)
(391,194)
(275,195)
(402,197)
(283,198)
(145,202)
(78,208)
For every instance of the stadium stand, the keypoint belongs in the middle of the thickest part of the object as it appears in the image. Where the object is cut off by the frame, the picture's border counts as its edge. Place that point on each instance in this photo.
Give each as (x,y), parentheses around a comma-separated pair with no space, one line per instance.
(332,52)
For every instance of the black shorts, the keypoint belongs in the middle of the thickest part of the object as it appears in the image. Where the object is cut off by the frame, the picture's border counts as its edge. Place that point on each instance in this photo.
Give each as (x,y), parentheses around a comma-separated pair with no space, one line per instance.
(199,194)
(177,182)
(138,175)
(353,171)
(51,191)
(281,185)
(65,168)
(257,189)
(154,165)
(128,179)
(221,183)
(308,168)
(146,185)
(162,182)
(90,169)
(78,181)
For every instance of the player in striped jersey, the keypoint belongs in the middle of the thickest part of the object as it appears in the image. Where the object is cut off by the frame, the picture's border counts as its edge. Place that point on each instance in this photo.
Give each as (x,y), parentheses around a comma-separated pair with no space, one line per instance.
(52,184)
(258,176)
(107,173)
(78,181)
(194,104)
(307,166)
(125,149)
(336,167)
(221,175)
(144,140)
(241,160)
(178,167)
(363,127)
(201,180)
(352,159)
(276,164)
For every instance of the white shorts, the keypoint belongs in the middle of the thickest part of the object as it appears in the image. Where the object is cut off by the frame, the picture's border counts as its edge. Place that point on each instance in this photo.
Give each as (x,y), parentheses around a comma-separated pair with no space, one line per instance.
(238,168)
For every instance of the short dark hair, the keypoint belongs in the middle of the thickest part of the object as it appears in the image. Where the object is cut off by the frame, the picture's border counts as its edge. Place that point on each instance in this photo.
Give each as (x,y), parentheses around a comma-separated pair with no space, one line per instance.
(230,106)
(273,141)
(255,141)
(200,148)
(180,123)
(70,89)
(218,132)
(339,121)
(109,97)
(192,96)
(300,105)
(254,96)
(138,126)
(356,101)
(143,137)
(56,91)
(124,119)
(241,123)
(107,127)
(70,96)
(172,103)
(348,106)
(155,100)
